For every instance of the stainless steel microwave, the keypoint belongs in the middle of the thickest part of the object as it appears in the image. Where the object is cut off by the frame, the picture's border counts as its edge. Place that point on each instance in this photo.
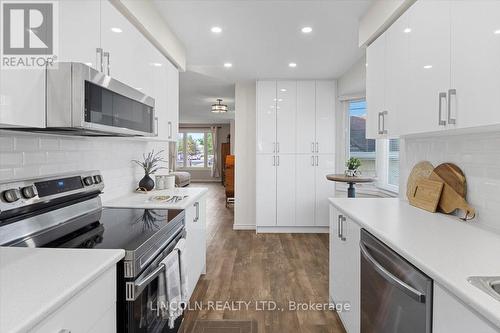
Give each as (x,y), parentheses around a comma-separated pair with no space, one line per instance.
(83,101)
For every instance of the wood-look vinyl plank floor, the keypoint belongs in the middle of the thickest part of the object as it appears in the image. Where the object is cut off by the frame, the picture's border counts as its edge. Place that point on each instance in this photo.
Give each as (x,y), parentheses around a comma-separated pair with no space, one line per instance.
(245,266)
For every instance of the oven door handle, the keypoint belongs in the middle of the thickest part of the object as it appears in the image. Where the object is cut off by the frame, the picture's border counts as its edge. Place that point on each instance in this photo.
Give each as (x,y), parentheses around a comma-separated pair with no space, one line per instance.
(407,289)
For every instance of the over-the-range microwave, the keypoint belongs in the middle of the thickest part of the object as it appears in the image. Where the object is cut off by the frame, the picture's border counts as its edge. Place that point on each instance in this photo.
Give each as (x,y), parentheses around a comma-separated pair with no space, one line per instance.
(83,101)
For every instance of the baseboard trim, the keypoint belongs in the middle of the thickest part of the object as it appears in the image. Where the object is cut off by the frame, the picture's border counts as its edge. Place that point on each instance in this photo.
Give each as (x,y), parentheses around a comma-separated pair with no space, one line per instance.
(292,230)
(206,181)
(243,226)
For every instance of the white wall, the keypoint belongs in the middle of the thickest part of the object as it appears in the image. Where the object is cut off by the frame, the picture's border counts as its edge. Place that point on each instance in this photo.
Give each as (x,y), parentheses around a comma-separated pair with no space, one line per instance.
(244,150)
(32,155)
(478,155)
(231,131)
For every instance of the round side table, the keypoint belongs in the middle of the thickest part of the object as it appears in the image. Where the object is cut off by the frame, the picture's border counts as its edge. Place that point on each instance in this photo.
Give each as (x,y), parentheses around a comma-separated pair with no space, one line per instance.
(351,191)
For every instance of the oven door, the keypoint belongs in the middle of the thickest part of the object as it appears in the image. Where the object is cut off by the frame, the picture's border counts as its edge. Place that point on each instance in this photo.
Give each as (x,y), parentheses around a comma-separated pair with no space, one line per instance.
(139,311)
(395,296)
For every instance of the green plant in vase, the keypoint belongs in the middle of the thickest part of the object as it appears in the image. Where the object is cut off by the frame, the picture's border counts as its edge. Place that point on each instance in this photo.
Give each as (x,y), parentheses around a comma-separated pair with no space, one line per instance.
(353,165)
(150,164)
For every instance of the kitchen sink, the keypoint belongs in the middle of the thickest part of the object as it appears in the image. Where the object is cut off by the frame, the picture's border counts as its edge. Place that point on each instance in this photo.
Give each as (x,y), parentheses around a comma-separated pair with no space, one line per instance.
(488,284)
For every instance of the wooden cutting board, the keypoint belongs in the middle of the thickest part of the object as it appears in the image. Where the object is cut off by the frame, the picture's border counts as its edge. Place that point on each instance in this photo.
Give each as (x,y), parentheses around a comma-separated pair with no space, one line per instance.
(426,194)
(454,190)
(421,170)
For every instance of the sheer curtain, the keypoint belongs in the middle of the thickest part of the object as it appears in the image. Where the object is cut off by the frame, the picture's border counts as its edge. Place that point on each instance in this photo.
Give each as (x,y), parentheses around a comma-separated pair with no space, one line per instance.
(215,145)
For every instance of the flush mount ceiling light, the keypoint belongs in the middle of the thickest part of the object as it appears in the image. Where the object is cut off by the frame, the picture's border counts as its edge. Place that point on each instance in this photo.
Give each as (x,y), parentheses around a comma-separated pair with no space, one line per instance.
(219,107)
(216,30)
(407,30)
(427,66)
(117,30)
(307,30)
(283,90)
(292,64)
(228,65)
(497,32)
(156,64)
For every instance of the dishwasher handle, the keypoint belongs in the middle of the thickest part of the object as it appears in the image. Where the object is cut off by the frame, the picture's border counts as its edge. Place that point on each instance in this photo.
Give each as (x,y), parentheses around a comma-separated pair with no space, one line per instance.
(409,290)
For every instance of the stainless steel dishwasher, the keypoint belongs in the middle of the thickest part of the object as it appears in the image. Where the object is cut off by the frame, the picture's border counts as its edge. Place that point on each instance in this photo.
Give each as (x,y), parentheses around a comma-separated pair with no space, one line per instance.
(396,297)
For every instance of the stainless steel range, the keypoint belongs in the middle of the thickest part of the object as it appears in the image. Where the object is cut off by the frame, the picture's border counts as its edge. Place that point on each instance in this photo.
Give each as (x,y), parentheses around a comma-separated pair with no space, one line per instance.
(66,211)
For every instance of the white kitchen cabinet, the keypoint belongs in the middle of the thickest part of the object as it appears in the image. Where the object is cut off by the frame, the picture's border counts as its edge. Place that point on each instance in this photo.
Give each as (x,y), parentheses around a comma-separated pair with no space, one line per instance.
(80,32)
(266,117)
(285,190)
(89,310)
(196,242)
(450,315)
(265,213)
(375,87)
(305,189)
(429,66)
(345,270)
(172,102)
(306,117)
(325,164)
(286,106)
(475,63)
(325,116)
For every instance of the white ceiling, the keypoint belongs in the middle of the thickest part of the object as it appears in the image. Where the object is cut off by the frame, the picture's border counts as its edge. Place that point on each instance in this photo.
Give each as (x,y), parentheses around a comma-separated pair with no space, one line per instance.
(260,38)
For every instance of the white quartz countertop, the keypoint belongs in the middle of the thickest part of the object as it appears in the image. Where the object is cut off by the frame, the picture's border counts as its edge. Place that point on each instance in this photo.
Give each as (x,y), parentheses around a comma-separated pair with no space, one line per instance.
(444,247)
(146,201)
(34,282)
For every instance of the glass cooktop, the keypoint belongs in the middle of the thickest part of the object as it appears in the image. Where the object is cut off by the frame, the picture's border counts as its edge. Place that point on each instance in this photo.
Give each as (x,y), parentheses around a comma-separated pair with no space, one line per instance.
(121,228)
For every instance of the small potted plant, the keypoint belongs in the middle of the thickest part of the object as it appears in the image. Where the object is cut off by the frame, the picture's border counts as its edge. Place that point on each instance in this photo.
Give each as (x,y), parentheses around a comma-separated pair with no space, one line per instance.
(150,164)
(353,165)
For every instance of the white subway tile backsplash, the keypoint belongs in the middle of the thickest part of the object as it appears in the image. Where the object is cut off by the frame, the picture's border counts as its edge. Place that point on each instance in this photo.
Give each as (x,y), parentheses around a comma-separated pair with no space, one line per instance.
(25,155)
(478,155)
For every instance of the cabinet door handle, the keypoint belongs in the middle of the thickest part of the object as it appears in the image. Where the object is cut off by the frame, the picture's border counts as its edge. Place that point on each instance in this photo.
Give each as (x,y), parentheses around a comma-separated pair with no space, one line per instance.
(274,160)
(197,206)
(380,123)
(317,160)
(170,130)
(98,60)
(277,160)
(344,219)
(384,130)
(274,147)
(451,92)
(339,222)
(312,147)
(441,122)
(317,147)
(156,126)
(277,147)
(106,55)
(312,160)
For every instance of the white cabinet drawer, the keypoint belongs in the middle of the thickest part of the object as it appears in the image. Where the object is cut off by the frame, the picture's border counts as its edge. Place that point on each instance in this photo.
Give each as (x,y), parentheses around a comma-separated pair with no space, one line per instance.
(85,309)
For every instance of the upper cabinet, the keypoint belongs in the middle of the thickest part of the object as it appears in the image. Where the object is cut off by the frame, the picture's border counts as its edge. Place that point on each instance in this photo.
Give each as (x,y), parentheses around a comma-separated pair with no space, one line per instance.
(436,68)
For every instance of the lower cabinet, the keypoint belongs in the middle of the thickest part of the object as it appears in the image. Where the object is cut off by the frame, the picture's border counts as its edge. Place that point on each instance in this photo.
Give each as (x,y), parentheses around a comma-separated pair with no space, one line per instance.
(450,315)
(196,242)
(292,190)
(91,310)
(345,269)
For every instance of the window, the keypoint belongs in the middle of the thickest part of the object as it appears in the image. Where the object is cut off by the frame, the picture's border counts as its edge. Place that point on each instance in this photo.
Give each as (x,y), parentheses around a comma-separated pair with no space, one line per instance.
(379,158)
(195,150)
(359,145)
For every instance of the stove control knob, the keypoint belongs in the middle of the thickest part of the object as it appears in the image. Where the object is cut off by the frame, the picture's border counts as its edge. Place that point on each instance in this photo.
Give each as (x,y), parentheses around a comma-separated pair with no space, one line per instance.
(28,192)
(88,181)
(97,179)
(11,195)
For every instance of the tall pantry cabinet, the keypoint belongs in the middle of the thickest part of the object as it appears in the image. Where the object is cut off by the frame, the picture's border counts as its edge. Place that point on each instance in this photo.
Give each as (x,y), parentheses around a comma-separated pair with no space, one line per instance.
(295,152)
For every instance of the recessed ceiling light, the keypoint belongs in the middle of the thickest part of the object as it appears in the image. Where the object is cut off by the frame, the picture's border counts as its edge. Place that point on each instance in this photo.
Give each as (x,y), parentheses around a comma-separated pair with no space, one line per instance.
(427,66)
(117,30)
(88,64)
(292,64)
(307,30)
(228,65)
(497,32)
(216,30)
(283,89)
(156,64)
(407,30)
